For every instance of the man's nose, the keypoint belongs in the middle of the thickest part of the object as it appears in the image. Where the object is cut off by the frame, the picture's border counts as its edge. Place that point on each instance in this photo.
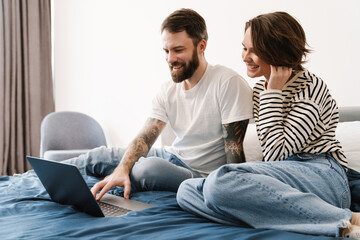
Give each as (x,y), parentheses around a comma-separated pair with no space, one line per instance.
(171,57)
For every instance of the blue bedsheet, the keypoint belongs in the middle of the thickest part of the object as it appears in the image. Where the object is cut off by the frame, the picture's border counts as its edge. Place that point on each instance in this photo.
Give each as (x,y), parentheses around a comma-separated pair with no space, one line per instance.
(26,212)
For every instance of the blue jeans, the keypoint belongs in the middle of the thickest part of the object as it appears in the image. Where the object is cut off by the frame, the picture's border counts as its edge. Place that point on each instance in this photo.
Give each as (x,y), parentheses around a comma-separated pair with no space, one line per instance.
(159,171)
(306,193)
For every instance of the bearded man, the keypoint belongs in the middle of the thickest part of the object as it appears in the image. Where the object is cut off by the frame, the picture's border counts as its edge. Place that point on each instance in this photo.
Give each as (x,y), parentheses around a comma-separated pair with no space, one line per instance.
(206,106)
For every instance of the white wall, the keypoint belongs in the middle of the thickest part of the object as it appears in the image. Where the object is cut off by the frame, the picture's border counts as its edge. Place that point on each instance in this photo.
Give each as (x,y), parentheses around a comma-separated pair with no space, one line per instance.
(109,62)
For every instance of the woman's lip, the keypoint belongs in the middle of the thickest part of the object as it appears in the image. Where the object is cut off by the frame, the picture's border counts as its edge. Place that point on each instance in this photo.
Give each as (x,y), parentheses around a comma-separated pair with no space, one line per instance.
(252,67)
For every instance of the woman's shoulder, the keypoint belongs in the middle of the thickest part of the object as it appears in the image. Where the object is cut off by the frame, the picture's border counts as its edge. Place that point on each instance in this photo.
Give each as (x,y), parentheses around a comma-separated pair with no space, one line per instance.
(313,88)
(311,78)
(308,80)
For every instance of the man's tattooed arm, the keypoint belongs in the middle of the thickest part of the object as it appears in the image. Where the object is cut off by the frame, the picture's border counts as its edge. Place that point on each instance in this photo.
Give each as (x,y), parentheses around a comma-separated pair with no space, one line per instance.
(141,145)
(234,134)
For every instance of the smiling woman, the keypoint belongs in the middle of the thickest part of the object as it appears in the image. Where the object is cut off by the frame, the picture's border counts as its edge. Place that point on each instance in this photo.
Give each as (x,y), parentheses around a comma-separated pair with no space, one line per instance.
(296,119)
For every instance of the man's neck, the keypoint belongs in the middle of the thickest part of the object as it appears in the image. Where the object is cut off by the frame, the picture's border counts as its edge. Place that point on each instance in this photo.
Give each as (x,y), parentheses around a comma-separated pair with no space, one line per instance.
(196,77)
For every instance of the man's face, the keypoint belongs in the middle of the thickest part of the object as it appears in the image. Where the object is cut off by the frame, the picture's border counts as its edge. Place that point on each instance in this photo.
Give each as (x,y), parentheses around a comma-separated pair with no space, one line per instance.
(181,55)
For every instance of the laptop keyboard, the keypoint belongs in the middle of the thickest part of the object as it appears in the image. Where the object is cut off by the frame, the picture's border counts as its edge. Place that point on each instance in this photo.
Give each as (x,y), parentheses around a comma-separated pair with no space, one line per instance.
(111,210)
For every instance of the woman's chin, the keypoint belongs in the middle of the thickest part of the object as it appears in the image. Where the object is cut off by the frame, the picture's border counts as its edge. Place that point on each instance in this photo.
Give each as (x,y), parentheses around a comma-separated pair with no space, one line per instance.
(252,74)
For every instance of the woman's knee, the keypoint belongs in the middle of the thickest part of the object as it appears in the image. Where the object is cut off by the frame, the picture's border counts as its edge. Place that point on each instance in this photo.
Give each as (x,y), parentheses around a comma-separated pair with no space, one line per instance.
(189,189)
(222,184)
(206,191)
(215,187)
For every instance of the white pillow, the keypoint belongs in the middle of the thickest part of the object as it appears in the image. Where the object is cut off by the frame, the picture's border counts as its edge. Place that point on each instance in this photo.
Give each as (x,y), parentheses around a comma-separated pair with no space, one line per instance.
(348,133)
(252,147)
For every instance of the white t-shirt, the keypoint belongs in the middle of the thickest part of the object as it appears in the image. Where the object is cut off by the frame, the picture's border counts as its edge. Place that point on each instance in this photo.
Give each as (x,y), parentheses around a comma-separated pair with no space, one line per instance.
(197,115)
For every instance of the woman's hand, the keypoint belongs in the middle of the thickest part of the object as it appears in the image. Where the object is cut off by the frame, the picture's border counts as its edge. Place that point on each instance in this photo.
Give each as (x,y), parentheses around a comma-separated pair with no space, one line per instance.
(278,77)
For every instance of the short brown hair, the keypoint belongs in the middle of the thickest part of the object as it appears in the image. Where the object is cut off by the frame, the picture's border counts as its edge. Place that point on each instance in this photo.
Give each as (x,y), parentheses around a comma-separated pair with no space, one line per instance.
(278,39)
(188,20)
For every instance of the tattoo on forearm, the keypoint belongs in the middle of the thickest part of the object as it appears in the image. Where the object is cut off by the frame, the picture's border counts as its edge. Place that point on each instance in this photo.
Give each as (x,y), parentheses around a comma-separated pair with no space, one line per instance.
(234,134)
(141,145)
(151,131)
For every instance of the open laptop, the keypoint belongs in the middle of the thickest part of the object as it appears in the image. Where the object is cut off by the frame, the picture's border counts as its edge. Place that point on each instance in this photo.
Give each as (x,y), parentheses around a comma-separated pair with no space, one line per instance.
(65,185)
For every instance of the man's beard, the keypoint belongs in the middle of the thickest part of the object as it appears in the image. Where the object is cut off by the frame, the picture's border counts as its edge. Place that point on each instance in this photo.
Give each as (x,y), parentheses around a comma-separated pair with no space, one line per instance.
(187,71)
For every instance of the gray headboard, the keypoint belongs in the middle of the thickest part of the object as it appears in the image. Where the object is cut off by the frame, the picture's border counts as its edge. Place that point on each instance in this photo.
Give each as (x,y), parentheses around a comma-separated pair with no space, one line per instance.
(348,114)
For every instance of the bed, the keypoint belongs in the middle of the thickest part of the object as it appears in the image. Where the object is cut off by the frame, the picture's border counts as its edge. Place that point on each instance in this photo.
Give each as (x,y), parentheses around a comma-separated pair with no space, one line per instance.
(27,212)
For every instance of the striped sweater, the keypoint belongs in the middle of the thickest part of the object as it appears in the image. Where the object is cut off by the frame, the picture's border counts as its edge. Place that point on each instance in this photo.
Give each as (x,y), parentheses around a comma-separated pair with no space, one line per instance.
(301,118)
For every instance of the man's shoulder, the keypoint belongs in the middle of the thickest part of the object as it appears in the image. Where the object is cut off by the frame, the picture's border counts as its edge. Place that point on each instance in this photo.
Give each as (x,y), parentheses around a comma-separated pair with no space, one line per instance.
(168,85)
(221,69)
(223,73)
(169,88)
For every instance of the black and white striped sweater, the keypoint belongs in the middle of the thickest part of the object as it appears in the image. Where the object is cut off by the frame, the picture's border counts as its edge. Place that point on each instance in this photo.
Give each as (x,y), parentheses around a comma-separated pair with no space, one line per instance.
(301,118)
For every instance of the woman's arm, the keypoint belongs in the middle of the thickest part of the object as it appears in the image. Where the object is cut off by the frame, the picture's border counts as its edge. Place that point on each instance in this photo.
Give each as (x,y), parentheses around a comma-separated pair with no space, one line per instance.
(284,127)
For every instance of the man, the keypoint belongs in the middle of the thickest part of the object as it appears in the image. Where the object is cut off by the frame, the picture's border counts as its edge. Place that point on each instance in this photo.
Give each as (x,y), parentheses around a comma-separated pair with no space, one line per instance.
(207,107)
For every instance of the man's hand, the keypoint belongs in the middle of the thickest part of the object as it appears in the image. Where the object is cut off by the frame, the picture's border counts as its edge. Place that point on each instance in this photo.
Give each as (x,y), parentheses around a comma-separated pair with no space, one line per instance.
(120,177)
(139,147)
(278,77)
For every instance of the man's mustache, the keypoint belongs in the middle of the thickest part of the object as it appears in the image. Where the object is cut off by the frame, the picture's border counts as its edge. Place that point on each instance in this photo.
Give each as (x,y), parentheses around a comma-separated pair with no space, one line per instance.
(176,64)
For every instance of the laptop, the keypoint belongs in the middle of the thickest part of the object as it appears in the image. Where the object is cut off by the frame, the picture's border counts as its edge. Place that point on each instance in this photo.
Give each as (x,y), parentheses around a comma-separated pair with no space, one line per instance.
(65,185)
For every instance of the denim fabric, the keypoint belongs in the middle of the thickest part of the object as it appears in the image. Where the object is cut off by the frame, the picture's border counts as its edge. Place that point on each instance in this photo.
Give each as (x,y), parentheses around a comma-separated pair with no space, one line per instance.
(306,193)
(354,184)
(160,170)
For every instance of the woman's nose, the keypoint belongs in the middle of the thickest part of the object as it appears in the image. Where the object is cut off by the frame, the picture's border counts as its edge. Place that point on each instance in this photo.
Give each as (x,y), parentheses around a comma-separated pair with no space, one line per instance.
(245,56)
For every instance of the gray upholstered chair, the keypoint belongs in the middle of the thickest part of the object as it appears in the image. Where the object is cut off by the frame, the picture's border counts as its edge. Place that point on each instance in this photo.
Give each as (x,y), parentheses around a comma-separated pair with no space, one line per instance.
(68,134)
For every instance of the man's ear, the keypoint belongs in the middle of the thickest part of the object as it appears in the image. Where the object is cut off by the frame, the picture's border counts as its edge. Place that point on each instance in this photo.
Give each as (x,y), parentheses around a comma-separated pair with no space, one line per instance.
(202,46)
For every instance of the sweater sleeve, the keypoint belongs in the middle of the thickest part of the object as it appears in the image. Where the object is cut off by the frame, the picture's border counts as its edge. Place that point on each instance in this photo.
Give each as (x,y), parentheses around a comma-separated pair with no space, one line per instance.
(283,134)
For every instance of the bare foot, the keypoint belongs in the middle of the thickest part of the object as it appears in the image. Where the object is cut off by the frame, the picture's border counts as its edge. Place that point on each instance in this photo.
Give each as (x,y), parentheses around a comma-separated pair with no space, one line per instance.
(355,219)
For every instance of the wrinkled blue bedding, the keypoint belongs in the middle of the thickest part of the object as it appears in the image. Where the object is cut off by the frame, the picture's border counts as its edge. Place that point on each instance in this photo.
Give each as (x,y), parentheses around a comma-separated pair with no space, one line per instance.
(26,212)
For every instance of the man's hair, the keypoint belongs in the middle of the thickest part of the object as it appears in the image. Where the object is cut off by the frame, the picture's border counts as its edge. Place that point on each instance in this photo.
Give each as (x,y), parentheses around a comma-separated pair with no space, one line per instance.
(188,20)
(278,39)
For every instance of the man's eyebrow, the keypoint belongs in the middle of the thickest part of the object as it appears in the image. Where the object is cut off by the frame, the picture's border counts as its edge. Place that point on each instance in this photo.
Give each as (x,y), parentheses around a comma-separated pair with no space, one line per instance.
(178,47)
(175,48)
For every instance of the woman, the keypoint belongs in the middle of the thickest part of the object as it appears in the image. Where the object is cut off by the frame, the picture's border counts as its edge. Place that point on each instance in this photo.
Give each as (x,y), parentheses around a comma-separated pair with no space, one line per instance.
(301,186)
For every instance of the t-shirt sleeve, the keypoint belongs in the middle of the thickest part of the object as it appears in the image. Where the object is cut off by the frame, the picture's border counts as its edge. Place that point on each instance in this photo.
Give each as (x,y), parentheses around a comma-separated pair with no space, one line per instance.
(159,105)
(235,100)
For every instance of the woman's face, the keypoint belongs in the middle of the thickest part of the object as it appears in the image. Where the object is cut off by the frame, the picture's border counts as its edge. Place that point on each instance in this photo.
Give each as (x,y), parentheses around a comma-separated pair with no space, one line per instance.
(255,66)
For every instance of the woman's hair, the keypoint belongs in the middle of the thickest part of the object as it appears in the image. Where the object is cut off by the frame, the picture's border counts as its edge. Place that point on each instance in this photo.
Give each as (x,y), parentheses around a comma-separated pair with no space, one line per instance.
(188,20)
(278,39)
